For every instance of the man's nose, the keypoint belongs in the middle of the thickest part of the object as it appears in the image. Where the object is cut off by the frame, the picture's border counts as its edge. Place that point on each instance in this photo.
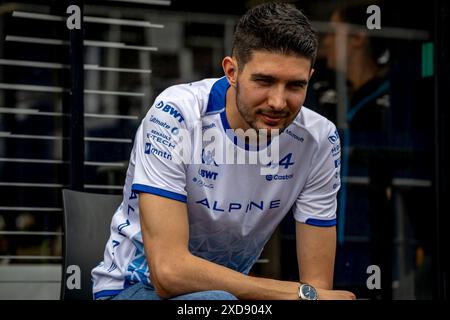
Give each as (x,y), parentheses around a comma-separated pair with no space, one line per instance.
(277,98)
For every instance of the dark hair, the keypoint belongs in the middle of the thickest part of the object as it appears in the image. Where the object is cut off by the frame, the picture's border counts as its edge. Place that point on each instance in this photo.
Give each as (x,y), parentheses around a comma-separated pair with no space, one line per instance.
(274,27)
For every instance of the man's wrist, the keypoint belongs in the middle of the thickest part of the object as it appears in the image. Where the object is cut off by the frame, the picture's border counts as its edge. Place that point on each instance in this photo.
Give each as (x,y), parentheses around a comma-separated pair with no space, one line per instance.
(307,292)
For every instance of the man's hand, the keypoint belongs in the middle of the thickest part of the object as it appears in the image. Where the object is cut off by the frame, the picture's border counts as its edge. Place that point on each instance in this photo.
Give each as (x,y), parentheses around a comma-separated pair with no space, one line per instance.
(323,294)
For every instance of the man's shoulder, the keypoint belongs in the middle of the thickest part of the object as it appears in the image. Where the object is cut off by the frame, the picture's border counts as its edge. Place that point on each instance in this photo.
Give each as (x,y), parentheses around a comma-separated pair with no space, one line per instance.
(314,125)
(188,99)
(191,95)
(190,92)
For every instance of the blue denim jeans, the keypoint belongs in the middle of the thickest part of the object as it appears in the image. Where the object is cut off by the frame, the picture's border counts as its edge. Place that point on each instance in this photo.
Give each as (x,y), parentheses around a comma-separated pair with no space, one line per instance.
(140,292)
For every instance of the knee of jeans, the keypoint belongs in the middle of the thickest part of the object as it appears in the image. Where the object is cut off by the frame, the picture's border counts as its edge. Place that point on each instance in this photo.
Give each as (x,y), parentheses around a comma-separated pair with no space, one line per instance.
(221,295)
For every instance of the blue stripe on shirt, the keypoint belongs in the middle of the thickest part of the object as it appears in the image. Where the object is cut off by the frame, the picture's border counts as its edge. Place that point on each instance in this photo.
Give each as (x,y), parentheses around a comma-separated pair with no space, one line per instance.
(320,223)
(159,192)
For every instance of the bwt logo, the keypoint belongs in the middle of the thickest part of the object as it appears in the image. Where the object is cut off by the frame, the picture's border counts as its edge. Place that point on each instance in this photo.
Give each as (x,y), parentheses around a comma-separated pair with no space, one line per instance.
(208,174)
(170,110)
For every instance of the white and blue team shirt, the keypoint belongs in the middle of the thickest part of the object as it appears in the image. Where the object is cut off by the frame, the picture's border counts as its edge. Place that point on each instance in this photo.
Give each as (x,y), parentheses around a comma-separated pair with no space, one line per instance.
(232,208)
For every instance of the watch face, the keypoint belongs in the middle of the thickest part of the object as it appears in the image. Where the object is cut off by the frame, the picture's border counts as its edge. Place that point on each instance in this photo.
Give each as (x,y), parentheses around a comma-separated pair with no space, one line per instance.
(308,292)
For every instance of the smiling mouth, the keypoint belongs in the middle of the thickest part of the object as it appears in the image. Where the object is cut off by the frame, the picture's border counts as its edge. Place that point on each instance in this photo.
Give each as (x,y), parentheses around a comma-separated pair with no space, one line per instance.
(272,120)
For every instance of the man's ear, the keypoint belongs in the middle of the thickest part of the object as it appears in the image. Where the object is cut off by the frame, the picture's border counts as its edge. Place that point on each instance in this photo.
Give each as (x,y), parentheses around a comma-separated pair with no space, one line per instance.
(230,68)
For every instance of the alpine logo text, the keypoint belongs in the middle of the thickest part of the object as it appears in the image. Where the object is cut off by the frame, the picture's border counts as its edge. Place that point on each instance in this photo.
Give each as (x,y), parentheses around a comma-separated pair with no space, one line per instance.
(239,207)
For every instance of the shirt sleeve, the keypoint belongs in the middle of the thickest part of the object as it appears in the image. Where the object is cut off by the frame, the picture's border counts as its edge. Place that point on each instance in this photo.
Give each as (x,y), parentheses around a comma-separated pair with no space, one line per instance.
(316,205)
(158,166)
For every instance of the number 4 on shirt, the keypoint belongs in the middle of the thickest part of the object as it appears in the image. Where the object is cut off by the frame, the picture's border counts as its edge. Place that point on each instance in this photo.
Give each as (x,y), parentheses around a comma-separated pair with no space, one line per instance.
(285,162)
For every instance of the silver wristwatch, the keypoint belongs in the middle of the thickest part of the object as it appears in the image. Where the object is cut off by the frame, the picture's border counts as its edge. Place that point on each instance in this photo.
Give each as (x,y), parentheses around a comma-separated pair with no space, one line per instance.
(307,292)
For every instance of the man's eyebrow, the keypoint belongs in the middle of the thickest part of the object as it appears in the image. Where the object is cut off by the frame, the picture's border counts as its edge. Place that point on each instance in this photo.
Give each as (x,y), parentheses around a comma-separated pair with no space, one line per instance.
(262,76)
(255,76)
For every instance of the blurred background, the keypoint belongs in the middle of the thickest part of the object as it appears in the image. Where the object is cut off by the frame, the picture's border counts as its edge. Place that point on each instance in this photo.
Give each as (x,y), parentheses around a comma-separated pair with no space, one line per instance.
(382,82)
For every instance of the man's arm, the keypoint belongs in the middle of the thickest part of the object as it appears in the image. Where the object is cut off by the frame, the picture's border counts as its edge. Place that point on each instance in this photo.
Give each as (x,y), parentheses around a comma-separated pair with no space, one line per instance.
(316,249)
(175,271)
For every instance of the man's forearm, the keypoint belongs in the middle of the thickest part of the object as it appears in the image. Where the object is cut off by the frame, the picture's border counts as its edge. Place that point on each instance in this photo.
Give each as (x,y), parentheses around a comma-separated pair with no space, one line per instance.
(193,274)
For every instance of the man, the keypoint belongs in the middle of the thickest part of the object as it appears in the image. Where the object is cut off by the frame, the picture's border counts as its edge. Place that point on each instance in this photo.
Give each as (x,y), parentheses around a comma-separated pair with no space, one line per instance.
(193,229)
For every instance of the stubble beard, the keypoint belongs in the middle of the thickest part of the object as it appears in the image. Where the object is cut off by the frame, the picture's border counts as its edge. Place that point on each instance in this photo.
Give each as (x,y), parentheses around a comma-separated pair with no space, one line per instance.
(250,120)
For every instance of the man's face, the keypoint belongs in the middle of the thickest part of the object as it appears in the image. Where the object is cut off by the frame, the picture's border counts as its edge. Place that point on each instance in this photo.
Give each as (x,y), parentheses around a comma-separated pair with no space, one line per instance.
(271,89)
